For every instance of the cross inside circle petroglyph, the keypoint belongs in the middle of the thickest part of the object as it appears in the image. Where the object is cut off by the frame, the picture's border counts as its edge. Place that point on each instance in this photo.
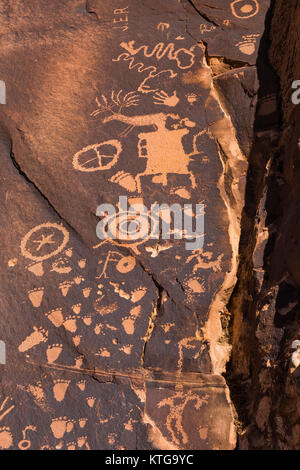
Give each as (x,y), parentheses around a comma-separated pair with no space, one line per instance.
(97,156)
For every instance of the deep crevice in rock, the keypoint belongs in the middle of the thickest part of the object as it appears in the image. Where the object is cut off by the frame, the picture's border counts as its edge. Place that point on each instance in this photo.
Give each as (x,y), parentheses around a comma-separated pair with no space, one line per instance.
(246,362)
(44,197)
(203,15)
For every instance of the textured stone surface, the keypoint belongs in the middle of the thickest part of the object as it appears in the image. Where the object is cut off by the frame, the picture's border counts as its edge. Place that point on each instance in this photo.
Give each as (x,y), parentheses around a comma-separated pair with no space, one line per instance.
(134,334)
(265,355)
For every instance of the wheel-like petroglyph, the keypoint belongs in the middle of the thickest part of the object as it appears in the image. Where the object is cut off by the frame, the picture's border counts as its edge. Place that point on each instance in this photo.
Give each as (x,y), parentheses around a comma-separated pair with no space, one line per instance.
(98,157)
(44,241)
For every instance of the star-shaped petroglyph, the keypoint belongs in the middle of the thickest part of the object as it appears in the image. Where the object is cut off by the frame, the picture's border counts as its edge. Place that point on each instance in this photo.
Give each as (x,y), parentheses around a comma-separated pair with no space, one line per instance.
(46,239)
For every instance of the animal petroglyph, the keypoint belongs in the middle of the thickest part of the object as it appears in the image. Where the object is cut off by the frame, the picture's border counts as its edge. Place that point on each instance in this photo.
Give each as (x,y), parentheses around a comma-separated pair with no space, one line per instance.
(204,260)
(205,29)
(184,58)
(177,405)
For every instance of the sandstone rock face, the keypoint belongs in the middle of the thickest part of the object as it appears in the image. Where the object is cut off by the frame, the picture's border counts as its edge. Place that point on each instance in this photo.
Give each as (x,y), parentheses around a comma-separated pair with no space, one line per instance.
(264,372)
(121,342)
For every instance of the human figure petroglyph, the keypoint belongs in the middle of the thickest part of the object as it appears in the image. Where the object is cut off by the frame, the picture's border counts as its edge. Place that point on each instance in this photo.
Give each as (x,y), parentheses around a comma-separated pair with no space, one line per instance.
(163,27)
(165,140)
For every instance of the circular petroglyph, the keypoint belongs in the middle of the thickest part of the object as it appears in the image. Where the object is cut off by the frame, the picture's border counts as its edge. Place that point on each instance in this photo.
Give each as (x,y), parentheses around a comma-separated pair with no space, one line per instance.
(97,156)
(244,8)
(127,228)
(44,241)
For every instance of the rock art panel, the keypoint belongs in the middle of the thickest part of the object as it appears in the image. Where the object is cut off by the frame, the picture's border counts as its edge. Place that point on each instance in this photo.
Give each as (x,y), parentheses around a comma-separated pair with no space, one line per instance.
(154,103)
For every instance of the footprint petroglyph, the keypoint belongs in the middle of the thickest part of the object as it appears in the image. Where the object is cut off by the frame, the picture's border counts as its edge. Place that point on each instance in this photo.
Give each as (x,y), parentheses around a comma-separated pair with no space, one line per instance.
(39,335)
(76,308)
(112,319)
(128,322)
(56,317)
(60,389)
(36,296)
(6,438)
(82,422)
(81,385)
(76,340)
(91,401)
(53,352)
(59,427)
(70,323)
